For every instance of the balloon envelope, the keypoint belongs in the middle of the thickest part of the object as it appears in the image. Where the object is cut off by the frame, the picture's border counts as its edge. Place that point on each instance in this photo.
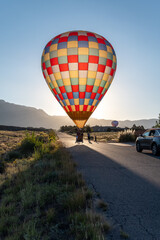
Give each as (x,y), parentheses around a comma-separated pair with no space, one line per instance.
(114,123)
(79,67)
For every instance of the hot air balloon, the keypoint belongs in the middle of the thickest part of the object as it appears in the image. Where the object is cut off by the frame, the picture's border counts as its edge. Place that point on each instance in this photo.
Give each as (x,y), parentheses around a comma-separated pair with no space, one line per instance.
(79,67)
(114,123)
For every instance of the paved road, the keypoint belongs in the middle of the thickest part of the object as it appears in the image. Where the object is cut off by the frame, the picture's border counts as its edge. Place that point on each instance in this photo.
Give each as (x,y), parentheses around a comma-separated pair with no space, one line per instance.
(128,181)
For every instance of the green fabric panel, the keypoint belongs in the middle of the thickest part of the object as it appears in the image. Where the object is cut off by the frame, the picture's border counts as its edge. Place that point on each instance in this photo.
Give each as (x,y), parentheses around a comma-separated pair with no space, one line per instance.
(83,58)
(95,89)
(104,90)
(103,83)
(53,54)
(82,88)
(74,81)
(51,85)
(110,56)
(68,88)
(48,64)
(58,91)
(60,83)
(62,59)
(90,81)
(72,51)
(93,51)
(114,65)
(102,60)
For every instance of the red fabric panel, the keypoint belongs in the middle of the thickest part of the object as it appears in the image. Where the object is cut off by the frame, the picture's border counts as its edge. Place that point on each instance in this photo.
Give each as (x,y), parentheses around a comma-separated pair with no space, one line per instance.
(49,70)
(43,65)
(101,68)
(90,34)
(81,94)
(62,89)
(77,107)
(85,107)
(83,66)
(82,38)
(75,88)
(91,108)
(72,58)
(70,109)
(49,44)
(100,40)
(69,95)
(100,89)
(61,96)
(89,88)
(54,61)
(54,90)
(112,72)
(93,95)
(63,39)
(73,34)
(100,97)
(63,67)
(109,63)
(93,59)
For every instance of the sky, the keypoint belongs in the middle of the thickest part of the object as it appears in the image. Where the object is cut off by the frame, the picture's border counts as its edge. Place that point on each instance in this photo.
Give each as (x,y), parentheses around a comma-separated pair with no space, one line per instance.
(131,26)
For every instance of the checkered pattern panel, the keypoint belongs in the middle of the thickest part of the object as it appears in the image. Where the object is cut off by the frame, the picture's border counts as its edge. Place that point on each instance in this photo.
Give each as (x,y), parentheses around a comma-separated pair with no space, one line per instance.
(79,67)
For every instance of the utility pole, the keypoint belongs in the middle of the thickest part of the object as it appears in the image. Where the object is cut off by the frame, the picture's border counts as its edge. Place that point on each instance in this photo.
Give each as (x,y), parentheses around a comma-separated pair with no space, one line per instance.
(159,118)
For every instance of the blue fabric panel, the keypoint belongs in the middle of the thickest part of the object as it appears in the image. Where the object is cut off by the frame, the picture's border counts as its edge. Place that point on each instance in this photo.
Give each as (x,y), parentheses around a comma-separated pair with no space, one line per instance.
(75,94)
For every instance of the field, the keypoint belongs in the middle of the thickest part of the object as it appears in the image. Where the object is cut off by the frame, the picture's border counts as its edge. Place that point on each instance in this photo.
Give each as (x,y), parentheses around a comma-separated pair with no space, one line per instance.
(42,195)
(104,136)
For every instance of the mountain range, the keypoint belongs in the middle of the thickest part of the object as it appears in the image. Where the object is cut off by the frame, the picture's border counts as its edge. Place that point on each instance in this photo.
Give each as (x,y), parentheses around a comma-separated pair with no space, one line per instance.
(23,116)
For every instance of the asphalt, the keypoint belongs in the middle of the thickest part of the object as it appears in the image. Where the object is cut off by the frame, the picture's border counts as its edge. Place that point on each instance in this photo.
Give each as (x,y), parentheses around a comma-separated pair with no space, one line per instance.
(128,181)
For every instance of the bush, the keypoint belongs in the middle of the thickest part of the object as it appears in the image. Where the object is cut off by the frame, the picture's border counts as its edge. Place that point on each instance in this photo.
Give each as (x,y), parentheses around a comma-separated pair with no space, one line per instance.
(127,136)
(2,166)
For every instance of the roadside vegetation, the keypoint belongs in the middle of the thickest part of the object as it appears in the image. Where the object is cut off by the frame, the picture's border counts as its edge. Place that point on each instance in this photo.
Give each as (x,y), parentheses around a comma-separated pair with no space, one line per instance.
(42,195)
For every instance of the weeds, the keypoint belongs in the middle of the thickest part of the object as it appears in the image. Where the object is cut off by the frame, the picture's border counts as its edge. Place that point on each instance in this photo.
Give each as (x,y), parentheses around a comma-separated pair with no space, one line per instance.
(127,136)
(43,196)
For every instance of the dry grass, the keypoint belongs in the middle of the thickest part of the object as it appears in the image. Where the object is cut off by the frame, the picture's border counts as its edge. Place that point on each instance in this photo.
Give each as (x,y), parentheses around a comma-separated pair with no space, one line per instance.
(104,136)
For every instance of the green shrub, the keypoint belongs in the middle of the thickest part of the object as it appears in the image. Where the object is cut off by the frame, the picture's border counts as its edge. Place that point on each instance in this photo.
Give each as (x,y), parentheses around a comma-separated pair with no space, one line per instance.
(126,136)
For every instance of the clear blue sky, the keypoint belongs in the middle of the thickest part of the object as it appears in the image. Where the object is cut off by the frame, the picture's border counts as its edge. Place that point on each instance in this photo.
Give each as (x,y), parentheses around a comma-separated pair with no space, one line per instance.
(132,27)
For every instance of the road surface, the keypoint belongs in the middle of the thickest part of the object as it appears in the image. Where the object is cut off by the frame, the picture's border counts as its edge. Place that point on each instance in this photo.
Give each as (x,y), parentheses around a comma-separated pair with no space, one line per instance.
(128,181)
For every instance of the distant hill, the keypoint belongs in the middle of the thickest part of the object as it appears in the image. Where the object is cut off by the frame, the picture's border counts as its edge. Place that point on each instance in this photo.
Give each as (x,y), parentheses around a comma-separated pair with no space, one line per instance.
(22,116)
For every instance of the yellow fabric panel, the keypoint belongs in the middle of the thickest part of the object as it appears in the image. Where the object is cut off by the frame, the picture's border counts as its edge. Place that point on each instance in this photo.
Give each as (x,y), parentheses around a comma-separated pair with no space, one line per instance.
(83,51)
(88,108)
(93,45)
(86,101)
(92,74)
(43,53)
(67,109)
(61,102)
(57,75)
(94,102)
(72,44)
(53,47)
(48,79)
(73,74)
(62,52)
(73,108)
(82,81)
(66,82)
(105,77)
(93,109)
(109,49)
(76,101)
(67,102)
(107,84)
(46,57)
(55,84)
(102,53)
(114,58)
(97,82)
(49,87)
(81,107)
